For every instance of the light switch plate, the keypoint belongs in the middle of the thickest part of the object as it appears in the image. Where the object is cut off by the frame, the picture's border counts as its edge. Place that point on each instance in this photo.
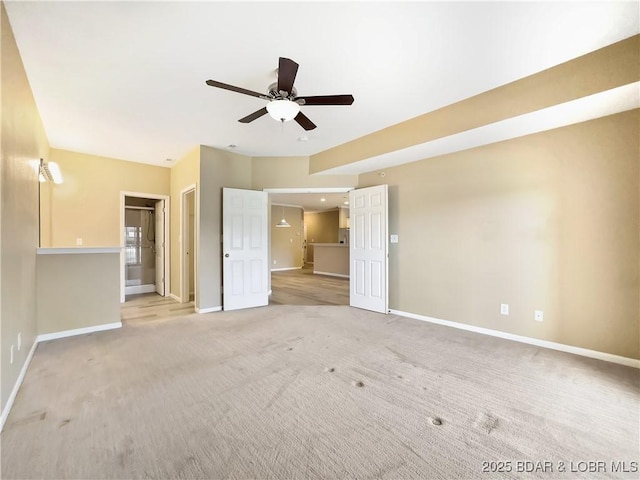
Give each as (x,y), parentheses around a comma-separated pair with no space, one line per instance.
(504,308)
(393,238)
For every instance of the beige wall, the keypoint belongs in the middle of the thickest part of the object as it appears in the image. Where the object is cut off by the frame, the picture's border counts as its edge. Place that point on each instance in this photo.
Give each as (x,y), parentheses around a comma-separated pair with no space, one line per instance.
(87,204)
(548,221)
(77,290)
(292,172)
(322,227)
(218,169)
(185,173)
(286,243)
(23,140)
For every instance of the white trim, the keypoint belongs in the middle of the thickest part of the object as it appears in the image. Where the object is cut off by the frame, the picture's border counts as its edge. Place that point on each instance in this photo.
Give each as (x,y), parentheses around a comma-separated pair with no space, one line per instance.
(17,385)
(585,352)
(184,226)
(45,337)
(175,297)
(71,250)
(309,190)
(331,274)
(167,238)
(269,292)
(208,310)
(135,289)
(285,268)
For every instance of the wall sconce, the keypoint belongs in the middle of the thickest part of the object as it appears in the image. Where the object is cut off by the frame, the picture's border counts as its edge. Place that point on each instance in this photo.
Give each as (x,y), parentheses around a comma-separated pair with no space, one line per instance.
(49,172)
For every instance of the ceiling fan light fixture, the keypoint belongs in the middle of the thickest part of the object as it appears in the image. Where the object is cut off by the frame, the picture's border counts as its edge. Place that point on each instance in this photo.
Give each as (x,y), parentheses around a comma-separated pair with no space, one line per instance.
(283,110)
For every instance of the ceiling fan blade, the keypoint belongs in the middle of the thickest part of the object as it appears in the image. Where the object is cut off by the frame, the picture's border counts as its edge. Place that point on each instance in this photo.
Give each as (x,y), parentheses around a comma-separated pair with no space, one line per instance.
(225,86)
(327,100)
(287,70)
(304,121)
(253,116)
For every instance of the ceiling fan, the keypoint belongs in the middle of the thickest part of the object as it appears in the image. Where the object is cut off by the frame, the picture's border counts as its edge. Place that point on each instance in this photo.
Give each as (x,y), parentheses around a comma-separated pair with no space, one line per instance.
(284,102)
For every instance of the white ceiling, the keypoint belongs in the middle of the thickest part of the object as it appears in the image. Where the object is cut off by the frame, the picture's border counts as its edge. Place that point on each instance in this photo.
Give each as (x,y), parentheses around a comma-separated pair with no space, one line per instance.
(126,79)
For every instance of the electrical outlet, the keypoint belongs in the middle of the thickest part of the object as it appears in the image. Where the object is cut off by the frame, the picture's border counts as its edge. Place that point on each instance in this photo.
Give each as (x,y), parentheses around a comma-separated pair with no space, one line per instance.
(504,309)
(275,261)
(393,238)
(539,315)
(78,241)
(19,341)
(11,359)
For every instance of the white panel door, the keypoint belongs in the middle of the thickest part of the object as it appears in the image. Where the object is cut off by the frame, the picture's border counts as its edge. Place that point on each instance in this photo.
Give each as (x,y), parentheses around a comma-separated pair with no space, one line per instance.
(159,246)
(368,248)
(245,248)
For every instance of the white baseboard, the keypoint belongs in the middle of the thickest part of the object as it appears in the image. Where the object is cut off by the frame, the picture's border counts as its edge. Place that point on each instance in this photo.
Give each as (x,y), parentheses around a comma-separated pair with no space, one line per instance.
(331,274)
(286,268)
(208,310)
(45,337)
(175,297)
(585,352)
(16,387)
(136,289)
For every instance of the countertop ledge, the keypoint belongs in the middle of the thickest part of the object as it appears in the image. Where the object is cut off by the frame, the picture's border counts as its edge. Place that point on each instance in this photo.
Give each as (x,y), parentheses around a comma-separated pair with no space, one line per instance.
(77,250)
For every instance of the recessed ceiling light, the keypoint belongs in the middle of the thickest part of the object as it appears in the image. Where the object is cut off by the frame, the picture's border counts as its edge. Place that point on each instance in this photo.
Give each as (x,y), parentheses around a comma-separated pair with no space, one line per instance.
(303,138)
(168,160)
(323,199)
(232,145)
(346,203)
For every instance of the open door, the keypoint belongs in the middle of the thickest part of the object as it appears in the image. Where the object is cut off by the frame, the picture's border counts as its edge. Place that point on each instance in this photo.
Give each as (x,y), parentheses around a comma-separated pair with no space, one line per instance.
(368,249)
(159,245)
(245,248)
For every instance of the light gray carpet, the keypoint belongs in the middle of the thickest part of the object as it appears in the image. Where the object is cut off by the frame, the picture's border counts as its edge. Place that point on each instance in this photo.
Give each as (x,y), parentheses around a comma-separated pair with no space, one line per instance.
(275,393)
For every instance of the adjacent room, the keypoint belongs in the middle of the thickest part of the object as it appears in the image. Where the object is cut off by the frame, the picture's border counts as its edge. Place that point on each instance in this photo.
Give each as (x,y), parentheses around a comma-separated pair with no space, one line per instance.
(309,223)
(320,240)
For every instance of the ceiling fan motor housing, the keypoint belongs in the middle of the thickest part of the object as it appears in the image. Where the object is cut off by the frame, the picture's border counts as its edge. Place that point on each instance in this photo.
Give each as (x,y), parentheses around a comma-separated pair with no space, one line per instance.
(281,95)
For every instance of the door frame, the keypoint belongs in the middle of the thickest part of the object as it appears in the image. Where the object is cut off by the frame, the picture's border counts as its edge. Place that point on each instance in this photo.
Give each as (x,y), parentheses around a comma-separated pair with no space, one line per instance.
(184,233)
(167,240)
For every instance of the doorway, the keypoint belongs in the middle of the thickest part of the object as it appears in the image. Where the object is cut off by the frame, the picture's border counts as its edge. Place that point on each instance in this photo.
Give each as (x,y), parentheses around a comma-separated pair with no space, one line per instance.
(245,218)
(144,266)
(316,220)
(139,246)
(188,245)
